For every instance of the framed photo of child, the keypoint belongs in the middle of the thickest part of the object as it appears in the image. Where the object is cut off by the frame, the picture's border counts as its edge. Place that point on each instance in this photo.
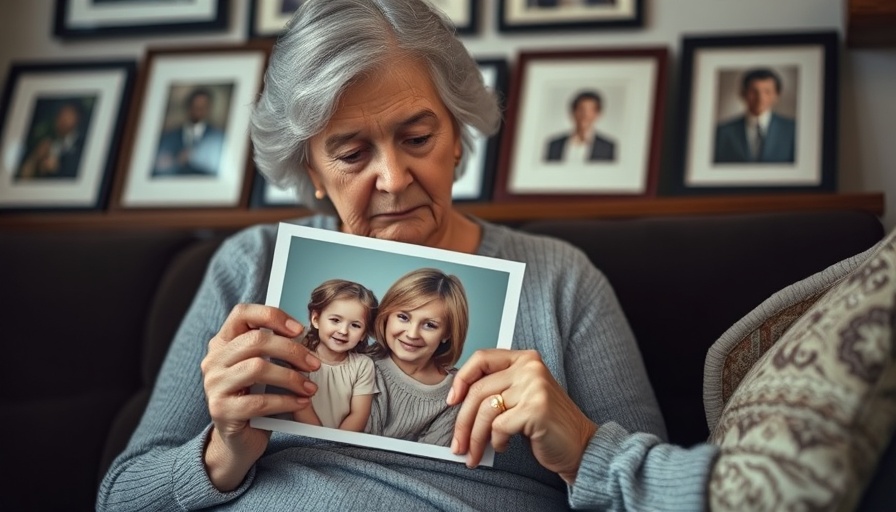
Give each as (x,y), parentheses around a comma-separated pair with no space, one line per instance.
(389,334)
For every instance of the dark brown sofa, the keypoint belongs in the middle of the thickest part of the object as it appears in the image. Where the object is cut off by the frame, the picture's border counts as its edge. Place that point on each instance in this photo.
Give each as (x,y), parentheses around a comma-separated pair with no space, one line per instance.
(88,316)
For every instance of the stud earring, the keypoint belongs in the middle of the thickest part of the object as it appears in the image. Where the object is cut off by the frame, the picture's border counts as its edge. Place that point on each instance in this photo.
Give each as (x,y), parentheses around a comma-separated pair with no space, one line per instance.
(319,194)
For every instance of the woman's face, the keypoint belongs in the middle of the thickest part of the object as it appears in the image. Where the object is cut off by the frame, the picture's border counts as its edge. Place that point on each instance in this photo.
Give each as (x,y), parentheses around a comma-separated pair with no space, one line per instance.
(386,159)
(414,335)
(340,326)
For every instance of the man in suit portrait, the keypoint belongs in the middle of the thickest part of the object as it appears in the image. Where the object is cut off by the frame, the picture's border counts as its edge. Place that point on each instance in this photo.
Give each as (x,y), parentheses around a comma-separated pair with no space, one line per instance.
(193,147)
(583,144)
(759,135)
(57,152)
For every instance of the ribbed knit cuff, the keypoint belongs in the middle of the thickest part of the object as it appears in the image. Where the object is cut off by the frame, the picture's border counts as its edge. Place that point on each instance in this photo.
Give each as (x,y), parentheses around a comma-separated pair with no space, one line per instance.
(622,471)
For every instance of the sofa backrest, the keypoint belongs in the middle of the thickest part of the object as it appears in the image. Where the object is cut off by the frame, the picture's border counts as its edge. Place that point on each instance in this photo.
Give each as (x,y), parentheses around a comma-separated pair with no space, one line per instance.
(682,281)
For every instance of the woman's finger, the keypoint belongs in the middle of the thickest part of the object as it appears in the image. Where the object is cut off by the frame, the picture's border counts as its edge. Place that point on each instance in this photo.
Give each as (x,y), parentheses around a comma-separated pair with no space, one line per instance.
(486,428)
(247,317)
(481,363)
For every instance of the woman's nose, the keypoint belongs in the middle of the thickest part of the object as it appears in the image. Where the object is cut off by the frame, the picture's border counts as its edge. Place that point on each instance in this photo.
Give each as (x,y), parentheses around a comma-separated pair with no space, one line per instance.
(413,331)
(393,177)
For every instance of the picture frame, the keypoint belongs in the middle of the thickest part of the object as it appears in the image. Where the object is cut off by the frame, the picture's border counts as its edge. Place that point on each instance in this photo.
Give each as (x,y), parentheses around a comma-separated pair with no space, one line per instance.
(616,99)
(60,132)
(112,18)
(268,18)
(553,15)
(476,181)
(266,195)
(491,288)
(792,79)
(166,165)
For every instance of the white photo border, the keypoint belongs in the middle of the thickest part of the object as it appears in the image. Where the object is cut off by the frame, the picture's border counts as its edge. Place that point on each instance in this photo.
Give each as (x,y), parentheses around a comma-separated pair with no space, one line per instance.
(112,83)
(631,82)
(516,16)
(813,57)
(266,20)
(243,66)
(290,233)
(85,18)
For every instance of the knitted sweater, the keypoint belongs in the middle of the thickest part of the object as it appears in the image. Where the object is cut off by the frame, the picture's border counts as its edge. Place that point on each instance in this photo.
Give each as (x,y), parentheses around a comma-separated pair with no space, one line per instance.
(407,409)
(568,312)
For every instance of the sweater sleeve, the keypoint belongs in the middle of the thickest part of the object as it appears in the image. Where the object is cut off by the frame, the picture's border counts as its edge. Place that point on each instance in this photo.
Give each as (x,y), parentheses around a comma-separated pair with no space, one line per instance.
(627,465)
(569,312)
(162,467)
(624,471)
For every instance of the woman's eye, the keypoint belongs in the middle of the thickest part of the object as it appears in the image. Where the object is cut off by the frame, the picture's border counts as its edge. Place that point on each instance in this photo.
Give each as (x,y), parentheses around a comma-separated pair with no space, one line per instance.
(357,326)
(431,325)
(350,158)
(401,316)
(419,141)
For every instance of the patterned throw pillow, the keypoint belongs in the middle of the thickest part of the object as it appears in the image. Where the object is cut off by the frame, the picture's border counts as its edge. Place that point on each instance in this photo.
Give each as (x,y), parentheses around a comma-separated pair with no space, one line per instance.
(730,358)
(806,425)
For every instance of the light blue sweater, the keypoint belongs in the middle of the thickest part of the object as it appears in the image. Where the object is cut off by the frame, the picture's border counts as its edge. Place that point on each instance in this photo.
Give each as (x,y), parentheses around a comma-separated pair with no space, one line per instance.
(568,312)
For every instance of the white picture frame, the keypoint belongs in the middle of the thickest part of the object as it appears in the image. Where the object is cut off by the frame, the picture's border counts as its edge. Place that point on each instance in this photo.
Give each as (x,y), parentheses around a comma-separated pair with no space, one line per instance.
(216,172)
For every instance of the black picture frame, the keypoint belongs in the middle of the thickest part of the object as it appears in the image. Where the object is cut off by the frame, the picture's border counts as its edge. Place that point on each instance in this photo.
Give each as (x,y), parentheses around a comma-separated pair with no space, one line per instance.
(476,184)
(268,18)
(622,161)
(81,19)
(800,158)
(88,100)
(549,15)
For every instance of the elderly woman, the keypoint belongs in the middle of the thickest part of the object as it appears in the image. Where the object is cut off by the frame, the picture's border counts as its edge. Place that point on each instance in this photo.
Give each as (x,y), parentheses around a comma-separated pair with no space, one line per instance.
(367,106)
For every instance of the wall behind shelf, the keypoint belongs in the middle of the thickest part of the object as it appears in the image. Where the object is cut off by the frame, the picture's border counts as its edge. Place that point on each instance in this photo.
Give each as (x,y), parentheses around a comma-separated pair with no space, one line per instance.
(867,158)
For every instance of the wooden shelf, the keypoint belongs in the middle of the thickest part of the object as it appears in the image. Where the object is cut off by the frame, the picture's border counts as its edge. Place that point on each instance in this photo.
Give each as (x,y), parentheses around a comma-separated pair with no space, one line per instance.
(870,23)
(509,212)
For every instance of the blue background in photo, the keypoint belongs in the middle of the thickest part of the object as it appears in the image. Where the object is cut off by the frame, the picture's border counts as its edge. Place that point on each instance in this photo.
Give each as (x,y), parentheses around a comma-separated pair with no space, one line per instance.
(311,262)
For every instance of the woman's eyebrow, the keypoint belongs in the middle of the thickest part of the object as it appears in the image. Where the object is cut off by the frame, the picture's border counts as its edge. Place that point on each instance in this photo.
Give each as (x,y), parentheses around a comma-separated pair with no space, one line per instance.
(333,142)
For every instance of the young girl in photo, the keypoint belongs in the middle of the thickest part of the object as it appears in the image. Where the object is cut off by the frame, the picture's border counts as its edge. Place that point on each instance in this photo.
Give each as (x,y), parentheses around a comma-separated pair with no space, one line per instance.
(341,320)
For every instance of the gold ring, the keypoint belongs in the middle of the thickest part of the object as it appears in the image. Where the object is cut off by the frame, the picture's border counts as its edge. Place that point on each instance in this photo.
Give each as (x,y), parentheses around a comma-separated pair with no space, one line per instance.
(497,402)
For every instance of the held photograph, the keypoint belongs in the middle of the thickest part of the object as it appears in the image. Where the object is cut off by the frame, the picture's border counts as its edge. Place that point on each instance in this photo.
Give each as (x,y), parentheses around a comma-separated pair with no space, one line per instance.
(407,306)
(759,113)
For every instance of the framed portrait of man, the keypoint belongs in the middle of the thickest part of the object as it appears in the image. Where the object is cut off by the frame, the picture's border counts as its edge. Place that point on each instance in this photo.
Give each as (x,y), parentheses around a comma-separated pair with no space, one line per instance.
(759,114)
(60,133)
(187,142)
(583,123)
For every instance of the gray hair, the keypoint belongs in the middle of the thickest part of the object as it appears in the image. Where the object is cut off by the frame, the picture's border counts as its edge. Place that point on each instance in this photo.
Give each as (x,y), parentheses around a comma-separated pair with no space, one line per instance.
(326,45)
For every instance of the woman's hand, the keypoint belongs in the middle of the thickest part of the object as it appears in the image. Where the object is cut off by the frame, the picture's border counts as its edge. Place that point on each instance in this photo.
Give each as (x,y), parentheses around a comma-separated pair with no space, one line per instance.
(534,405)
(238,358)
